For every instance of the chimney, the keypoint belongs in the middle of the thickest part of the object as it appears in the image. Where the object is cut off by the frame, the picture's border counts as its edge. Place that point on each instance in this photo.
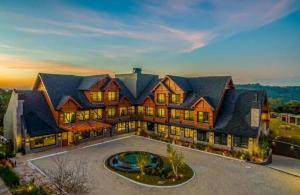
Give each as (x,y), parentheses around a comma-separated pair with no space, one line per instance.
(137,70)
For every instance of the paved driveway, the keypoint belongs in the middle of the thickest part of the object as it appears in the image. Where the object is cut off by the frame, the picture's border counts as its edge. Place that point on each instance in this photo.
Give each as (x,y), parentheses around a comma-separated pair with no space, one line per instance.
(214,174)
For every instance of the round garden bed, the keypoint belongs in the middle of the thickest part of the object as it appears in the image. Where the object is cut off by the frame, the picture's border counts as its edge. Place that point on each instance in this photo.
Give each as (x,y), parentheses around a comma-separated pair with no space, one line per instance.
(157,169)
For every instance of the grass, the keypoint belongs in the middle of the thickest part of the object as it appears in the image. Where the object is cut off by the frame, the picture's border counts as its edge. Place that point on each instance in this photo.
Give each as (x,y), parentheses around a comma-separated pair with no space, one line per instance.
(290,135)
(150,179)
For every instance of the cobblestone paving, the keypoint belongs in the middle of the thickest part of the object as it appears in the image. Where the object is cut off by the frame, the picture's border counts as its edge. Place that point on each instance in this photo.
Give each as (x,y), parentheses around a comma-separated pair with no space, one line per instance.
(214,174)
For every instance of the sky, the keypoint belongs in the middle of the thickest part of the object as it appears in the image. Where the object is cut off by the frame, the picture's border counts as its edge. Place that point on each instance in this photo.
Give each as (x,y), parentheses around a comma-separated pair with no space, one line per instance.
(254,41)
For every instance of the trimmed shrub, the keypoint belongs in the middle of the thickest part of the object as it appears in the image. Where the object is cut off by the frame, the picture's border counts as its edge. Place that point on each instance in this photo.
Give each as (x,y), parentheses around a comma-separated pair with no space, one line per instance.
(29,189)
(10,178)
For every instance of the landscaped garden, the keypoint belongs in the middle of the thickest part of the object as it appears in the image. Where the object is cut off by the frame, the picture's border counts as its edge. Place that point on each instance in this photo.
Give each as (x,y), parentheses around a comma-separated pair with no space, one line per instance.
(282,131)
(151,169)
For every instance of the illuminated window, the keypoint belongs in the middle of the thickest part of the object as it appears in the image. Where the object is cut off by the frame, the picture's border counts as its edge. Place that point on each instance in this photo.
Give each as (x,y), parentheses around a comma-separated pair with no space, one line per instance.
(161,112)
(84,115)
(112,96)
(97,114)
(42,141)
(131,110)
(175,130)
(97,96)
(131,125)
(161,98)
(163,129)
(69,117)
(188,133)
(140,110)
(121,126)
(175,114)
(111,112)
(149,111)
(203,117)
(123,111)
(175,98)
(189,115)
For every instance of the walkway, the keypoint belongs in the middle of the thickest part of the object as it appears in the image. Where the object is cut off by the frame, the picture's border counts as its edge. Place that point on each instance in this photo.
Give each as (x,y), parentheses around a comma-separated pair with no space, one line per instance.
(286,164)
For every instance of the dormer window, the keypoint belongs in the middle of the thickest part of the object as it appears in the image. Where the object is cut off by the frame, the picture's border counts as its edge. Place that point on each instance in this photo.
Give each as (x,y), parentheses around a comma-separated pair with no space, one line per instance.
(175,98)
(203,117)
(112,96)
(97,96)
(161,98)
(69,117)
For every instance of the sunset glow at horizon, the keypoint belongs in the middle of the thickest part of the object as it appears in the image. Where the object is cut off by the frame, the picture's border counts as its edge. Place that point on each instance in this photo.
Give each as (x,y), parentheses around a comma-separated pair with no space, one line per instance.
(253,41)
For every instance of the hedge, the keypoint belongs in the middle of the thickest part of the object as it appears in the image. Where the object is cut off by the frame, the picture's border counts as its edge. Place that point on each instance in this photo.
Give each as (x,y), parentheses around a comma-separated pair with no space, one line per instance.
(10,178)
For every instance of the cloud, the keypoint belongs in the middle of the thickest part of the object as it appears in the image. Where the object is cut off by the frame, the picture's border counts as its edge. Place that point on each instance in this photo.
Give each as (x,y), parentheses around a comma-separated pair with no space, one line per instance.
(44,31)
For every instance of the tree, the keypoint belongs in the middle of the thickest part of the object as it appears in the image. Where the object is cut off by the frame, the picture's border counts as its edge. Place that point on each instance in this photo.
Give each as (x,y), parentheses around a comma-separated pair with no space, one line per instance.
(68,178)
(176,159)
(142,161)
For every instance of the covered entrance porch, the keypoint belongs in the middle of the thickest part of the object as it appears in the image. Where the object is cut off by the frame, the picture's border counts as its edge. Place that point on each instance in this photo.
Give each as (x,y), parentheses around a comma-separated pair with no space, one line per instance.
(75,133)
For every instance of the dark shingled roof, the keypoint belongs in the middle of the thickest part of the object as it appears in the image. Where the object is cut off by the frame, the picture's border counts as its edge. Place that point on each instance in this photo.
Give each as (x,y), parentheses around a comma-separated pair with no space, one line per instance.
(88,81)
(59,86)
(210,88)
(37,116)
(235,114)
(182,82)
(136,82)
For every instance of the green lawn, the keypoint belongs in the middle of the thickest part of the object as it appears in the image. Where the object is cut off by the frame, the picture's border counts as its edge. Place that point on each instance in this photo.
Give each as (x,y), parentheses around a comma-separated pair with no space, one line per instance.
(185,171)
(291,134)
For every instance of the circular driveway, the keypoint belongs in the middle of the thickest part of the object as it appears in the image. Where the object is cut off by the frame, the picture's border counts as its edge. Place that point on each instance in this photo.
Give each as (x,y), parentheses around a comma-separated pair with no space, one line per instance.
(214,174)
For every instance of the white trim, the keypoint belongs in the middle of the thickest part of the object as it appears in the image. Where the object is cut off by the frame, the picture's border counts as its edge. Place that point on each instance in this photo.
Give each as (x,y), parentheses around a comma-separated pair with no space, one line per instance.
(148,185)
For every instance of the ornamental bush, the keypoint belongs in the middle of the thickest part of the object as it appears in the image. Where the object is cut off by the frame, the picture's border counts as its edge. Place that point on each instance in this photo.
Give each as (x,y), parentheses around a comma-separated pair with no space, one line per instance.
(10,178)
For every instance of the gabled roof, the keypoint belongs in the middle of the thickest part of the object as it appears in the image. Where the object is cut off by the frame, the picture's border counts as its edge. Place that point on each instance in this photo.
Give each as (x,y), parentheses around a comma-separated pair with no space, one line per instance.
(137,86)
(37,116)
(182,82)
(60,86)
(88,81)
(235,113)
(64,100)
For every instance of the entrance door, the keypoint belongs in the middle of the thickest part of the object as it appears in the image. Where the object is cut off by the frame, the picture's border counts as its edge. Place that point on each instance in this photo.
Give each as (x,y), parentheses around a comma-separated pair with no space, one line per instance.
(150,126)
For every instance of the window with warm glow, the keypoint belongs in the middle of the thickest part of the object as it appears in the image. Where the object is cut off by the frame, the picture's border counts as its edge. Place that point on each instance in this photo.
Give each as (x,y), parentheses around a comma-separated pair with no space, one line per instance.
(140,110)
(163,129)
(175,114)
(112,96)
(175,98)
(69,117)
(203,117)
(83,115)
(131,125)
(123,111)
(149,111)
(131,110)
(97,96)
(188,133)
(189,115)
(111,112)
(96,114)
(121,126)
(161,98)
(175,130)
(161,112)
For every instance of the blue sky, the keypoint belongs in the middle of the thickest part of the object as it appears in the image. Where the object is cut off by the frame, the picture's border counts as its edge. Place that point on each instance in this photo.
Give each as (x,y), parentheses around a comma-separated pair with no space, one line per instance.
(254,41)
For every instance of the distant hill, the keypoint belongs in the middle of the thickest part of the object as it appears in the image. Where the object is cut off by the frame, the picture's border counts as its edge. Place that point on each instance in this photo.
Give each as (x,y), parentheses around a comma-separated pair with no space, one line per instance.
(285,93)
